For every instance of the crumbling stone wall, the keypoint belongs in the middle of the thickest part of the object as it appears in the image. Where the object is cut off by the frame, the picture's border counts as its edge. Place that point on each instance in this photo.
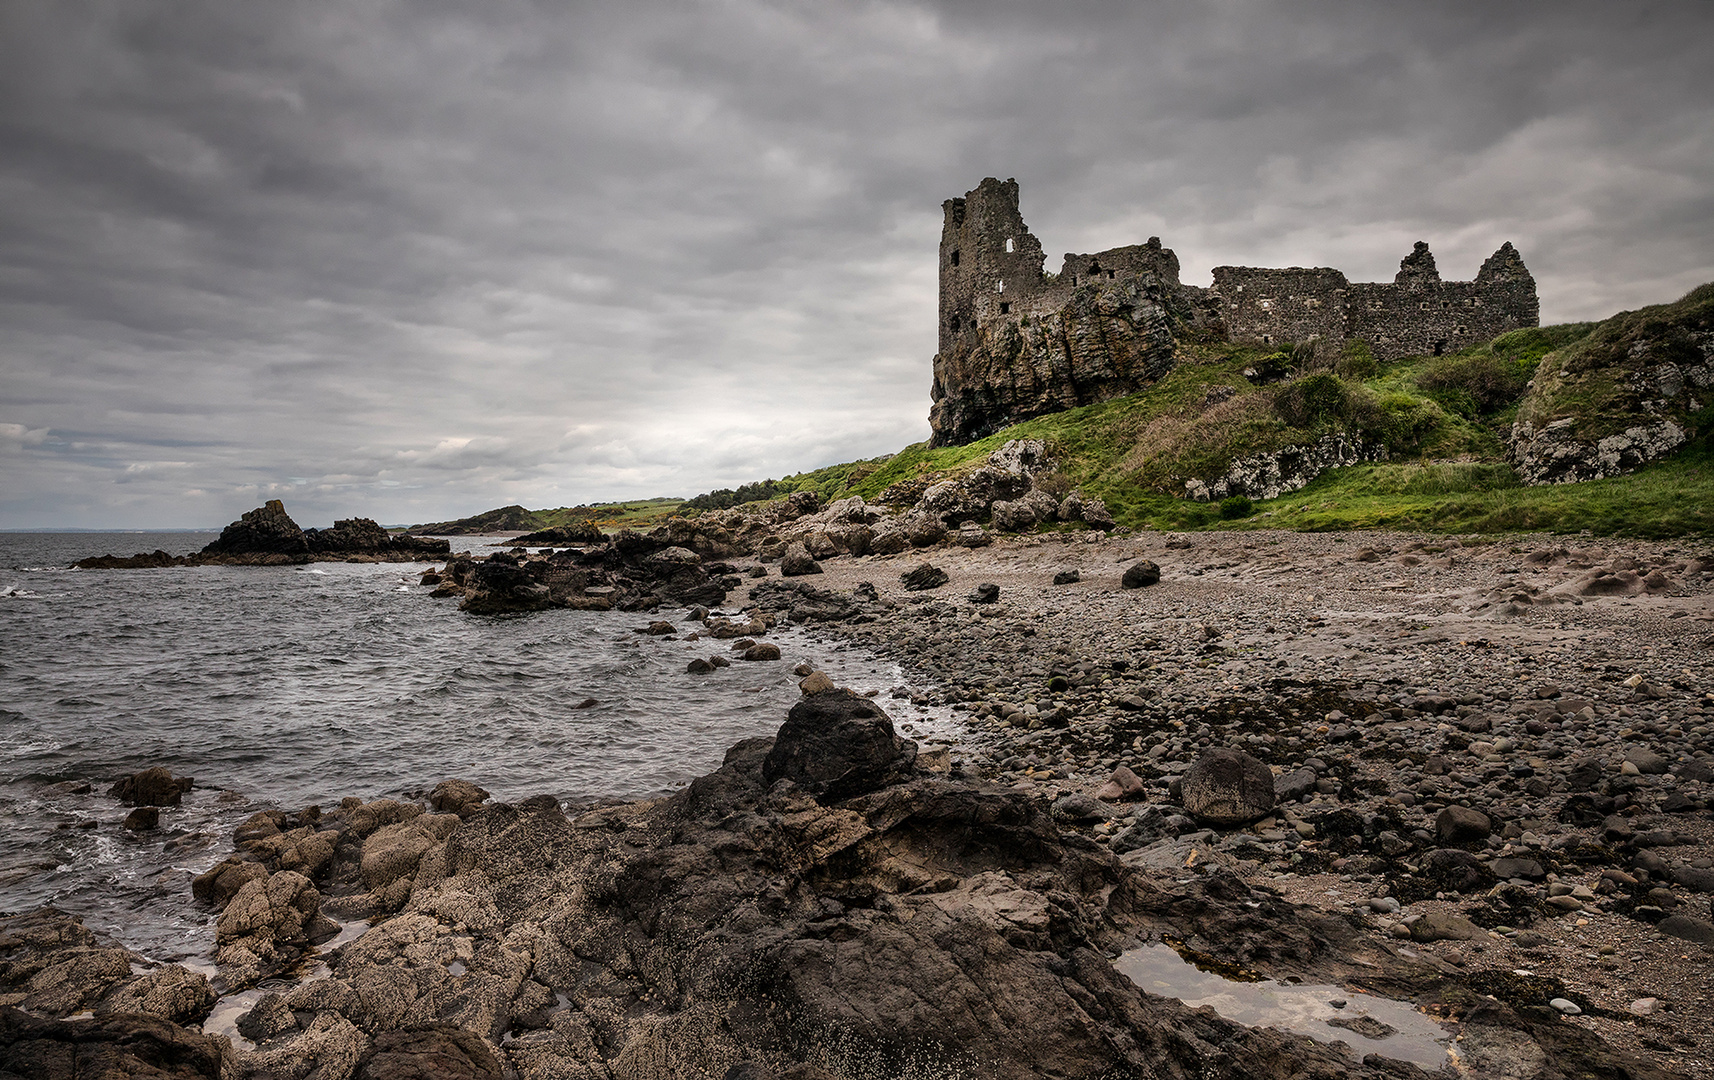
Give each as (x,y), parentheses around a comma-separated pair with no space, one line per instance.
(1016,342)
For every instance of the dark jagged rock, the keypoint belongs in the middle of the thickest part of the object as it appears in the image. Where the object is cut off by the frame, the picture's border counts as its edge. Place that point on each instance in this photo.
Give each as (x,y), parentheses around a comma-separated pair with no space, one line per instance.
(1140,574)
(924,577)
(429,1052)
(838,744)
(805,603)
(122,1047)
(362,536)
(267,530)
(53,966)
(797,561)
(152,560)
(459,797)
(155,786)
(498,587)
(578,533)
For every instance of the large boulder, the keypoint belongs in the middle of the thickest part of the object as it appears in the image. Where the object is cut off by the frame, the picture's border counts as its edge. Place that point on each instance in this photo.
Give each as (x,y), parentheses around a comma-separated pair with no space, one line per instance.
(155,786)
(269,923)
(1139,574)
(429,1052)
(838,744)
(1227,787)
(797,561)
(459,797)
(500,587)
(926,576)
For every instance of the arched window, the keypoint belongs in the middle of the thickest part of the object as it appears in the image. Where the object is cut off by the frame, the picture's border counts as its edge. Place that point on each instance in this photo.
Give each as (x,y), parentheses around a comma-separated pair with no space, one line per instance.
(1011,244)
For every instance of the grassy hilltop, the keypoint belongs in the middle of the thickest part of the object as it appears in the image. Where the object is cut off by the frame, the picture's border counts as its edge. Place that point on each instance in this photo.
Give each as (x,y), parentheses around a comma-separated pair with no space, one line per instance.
(1443,420)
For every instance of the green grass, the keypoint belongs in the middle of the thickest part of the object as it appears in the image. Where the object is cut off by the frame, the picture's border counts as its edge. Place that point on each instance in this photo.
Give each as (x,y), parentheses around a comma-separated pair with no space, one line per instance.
(1666,499)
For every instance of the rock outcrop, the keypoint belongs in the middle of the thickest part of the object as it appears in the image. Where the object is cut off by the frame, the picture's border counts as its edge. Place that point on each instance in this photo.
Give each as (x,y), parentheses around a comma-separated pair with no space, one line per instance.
(1636,389)
(267,536)
(1270,475)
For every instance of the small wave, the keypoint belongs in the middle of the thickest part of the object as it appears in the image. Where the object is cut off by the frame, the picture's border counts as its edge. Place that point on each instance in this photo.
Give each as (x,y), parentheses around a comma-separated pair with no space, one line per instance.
(316,570)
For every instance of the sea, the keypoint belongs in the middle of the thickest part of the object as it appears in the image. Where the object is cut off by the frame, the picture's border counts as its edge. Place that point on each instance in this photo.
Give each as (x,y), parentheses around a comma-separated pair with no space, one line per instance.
(282,687)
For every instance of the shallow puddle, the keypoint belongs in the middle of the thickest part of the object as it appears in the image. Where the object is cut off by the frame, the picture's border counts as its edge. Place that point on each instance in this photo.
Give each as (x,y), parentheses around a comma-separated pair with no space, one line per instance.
(1364,1022)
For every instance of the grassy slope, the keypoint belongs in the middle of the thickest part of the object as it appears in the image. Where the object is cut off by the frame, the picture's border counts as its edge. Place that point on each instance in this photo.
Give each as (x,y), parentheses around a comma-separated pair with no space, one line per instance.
(1443,419)
(634,514)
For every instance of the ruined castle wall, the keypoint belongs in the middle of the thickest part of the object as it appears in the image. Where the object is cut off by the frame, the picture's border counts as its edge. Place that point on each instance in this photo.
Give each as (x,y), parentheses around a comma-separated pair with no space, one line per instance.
(1116,264)
(1418,314)
(1283,307)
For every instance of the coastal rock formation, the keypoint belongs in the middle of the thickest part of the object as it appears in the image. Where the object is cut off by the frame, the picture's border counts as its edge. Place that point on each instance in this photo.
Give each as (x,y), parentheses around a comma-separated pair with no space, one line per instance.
(52,966)
(152,787)
(267,536)
(1016,342)
(1636,389)
(579,533)
(1270,475)
(819,907)
(266,530)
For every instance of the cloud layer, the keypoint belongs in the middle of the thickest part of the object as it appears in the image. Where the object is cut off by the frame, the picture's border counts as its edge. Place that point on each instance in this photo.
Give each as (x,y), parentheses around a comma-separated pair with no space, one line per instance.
(415,260)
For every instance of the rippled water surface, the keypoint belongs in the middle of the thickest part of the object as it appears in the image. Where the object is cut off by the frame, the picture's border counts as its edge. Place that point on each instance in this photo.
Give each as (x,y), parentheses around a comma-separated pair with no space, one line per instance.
(285,686)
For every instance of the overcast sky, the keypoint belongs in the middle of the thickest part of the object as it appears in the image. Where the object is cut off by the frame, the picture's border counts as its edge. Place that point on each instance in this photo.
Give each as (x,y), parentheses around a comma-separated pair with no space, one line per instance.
(414,259)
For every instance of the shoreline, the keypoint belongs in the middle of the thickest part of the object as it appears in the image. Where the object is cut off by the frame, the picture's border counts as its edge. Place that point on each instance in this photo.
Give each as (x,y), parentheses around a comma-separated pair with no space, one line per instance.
(1407,674)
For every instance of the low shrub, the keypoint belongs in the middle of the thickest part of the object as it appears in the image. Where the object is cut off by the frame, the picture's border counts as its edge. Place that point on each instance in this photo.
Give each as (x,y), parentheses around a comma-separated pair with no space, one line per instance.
(1234,507)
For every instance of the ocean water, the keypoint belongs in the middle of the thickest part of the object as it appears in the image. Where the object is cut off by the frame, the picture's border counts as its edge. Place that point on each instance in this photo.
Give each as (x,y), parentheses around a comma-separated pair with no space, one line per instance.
(278,687)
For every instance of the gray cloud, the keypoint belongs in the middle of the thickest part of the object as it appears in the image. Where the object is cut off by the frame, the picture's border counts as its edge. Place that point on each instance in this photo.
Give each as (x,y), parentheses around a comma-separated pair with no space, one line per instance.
(412,261)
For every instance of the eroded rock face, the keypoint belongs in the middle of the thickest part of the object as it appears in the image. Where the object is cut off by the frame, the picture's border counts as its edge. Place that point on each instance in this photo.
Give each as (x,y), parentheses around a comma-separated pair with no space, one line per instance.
(1110,338)
(1627,394)
(1268,476)
(109,1047)
(54,966)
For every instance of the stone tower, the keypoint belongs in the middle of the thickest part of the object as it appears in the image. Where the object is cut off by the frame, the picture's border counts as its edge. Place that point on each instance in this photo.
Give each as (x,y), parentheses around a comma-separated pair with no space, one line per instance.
(989,259)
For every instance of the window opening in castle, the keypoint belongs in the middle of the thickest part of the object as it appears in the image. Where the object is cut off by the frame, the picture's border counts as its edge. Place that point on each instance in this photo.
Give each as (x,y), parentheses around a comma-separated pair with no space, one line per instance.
(955,258)
(1000,286)
(1005,309)
(1011,244)
(1440,347)
(1109,273)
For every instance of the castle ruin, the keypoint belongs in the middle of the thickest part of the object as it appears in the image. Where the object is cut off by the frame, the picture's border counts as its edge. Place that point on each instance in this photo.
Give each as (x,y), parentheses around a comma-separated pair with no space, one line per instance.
(1016,342)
